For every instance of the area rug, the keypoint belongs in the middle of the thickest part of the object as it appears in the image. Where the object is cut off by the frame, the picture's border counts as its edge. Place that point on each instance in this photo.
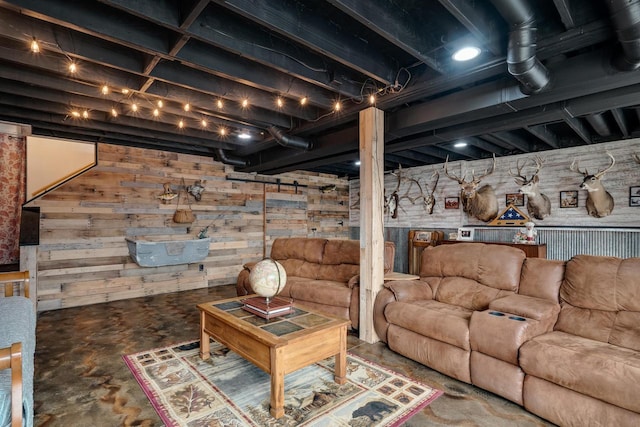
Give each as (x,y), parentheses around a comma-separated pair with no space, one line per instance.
(227,390)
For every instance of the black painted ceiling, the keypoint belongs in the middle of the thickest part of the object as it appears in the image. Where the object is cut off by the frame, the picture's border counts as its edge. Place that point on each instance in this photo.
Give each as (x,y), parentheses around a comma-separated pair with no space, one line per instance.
(585,87)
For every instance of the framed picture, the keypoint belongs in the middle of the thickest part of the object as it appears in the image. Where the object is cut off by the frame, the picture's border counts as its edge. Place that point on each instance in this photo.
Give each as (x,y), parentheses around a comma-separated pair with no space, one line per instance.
(634,196)
(465,233)
(569,199)
(452,203)
(515,199)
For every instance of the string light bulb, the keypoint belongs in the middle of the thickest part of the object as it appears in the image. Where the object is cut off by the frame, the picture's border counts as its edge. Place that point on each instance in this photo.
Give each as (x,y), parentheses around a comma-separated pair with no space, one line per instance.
(134,107)
(372,99)
(35,46)
(245,103)
(204,123)
(105,90)
(85,114)
(187,107)
(75,114)
(303,101)
(114,112)
(73,67)
(181,124)
(337,106)
(125,91)
(220,104)
(280,102)
(222,131)
(160,103)
(156,112)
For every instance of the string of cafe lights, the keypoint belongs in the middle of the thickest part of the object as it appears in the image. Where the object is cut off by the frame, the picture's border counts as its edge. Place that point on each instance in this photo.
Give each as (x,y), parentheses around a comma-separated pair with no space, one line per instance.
(135,106)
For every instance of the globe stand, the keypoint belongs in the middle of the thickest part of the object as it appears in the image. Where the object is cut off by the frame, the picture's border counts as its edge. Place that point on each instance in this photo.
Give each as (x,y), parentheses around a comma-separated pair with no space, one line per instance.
(266,279)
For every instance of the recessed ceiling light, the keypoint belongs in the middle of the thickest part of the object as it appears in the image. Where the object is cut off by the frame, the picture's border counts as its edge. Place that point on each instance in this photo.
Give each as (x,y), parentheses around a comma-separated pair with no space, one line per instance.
(244,135)
(357,163)
(460,144)
(466,53)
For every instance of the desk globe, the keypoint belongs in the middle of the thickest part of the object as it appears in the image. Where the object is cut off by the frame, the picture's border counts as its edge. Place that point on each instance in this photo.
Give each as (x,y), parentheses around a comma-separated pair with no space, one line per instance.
(267,278)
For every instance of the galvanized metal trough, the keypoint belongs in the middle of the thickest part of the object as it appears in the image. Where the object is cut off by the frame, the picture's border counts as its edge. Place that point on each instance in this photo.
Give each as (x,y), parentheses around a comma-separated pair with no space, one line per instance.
(150,253)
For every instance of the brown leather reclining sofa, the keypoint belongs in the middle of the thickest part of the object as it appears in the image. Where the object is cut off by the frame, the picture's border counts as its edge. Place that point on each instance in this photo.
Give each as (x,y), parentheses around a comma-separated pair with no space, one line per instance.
(322,274)
(560,338)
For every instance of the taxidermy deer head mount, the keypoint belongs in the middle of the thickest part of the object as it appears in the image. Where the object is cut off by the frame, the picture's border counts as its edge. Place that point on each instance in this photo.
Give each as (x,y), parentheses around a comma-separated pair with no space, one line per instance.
(599,201)
(477,202)
(428,198)
(391,201)
(538,204)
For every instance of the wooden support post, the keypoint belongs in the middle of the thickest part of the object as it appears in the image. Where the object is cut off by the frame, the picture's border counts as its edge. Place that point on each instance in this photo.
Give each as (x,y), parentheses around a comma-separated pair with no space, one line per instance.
(371,216)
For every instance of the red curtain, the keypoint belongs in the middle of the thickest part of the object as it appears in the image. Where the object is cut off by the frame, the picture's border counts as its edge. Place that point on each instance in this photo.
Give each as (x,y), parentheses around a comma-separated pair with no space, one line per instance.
(12,191)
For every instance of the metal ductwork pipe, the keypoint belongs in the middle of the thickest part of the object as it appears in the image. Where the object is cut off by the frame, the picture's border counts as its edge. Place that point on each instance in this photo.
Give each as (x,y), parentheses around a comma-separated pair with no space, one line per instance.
(625,16)
(599,123)
(288,140)
(521,53)
(233,161)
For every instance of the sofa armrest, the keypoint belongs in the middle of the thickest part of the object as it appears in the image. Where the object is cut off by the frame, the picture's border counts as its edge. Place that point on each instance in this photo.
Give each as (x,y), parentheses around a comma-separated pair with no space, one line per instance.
(354,281)
(526,306)
(409,290)
(398,290)
(508,323)
(11,358)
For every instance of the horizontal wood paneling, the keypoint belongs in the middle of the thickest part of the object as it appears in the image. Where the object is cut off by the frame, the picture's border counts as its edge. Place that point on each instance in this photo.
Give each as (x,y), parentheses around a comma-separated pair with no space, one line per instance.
(554,177)
(83,257)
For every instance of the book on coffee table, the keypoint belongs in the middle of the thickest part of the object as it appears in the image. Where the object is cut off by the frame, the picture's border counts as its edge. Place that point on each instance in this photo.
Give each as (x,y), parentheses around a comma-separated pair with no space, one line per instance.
(276,307)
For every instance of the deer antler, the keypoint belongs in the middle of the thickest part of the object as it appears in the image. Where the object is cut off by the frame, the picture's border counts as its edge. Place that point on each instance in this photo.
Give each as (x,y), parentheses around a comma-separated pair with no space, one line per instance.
(520,178)
(575,167)
(486,173)
(454,177)
(435,184)
(602,172)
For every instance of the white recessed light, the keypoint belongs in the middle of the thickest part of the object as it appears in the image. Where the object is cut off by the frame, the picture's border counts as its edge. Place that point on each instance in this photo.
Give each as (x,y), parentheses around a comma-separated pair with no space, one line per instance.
(244,135)
(357,163)
(466,53)
(460,144)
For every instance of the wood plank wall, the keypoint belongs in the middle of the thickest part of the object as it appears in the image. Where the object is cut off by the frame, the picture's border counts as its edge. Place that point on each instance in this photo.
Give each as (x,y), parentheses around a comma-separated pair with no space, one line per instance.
(554,178)
(83,256)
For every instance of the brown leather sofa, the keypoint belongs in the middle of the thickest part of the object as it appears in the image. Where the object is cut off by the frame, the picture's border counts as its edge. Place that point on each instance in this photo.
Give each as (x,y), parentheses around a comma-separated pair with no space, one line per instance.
(562,342)
(322,274)
(587,370)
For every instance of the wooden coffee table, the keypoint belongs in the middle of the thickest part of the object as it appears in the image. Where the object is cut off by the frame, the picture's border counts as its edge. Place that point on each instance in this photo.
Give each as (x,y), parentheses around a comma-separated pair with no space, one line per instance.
(277,346)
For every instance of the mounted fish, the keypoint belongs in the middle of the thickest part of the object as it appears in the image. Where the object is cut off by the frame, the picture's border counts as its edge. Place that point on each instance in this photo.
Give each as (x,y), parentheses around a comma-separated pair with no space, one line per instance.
(168,194)
(196,189)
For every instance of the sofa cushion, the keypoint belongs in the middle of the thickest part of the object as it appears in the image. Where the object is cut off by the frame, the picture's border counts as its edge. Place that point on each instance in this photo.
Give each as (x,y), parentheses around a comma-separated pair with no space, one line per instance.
(604,371)
(337,272)
(341,252)
(496,266)
(541,278)
(302,248)
(325,292)
(463,292)
(601,300)
(443,322)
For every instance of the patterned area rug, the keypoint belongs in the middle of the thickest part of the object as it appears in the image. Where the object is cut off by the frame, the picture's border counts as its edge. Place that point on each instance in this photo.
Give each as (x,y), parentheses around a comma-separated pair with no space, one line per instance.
(227,390)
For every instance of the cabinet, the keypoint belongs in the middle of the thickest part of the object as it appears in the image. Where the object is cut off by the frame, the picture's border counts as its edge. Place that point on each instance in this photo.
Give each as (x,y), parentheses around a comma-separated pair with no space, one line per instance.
(416,246)
(418,240)
(532,251)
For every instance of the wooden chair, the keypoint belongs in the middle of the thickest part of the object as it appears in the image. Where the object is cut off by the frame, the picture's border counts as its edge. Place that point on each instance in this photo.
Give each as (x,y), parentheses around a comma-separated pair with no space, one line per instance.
(11,357)
(9,280)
